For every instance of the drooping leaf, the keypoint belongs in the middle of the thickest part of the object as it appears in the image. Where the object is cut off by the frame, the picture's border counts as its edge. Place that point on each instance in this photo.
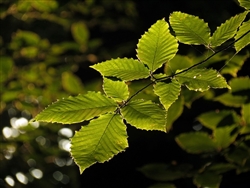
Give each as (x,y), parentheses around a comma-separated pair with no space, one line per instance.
(80,33)
(223,136)
(125,69)
(118,90)
(165,172)
(99,141)
(71,83)
(157,46)
(245,4)
(196,142)
(77,109)
(214,119)
(202,79)
(227,30)
(145,115)
(174,111)
(240,44)
(208,179)
(189,29)
(179,62)
(167,92)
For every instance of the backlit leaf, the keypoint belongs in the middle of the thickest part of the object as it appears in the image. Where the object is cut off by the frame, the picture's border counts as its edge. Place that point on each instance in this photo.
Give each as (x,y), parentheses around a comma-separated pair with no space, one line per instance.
(245,4)
(80,33)
(125,69)
(71,83)
(157,46)
(240,86)
(229,99)
(227,30)
(99,141)
(189,29)
(77,109)
(167,92)
(240,44)
(202,79)
(118,90)
(145,115)
(196,142)
(246,114)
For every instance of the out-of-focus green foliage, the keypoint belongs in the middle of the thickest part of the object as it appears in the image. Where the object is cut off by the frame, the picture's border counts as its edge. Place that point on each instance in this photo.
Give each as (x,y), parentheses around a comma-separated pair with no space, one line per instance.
(44,44)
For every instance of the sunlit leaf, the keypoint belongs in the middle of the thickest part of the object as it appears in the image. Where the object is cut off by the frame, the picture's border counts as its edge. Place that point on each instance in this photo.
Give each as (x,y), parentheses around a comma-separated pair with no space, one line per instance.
(208,179)
(45,6)
(240,86)
(214,119)
(165,172)
(227,30)
(71,83)
(167,92)
(245,4)
(99,141)
(125,69)
(80,32)
(157,46)
(223,136)
(202,79)
(229,99)
(118,90)
(240,44)
(196,142)
(77,109)
(145,115)
(246,114)
(189,29)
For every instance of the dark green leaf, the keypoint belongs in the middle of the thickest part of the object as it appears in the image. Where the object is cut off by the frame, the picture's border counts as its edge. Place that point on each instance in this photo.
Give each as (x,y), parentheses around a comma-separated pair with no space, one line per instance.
(208,179)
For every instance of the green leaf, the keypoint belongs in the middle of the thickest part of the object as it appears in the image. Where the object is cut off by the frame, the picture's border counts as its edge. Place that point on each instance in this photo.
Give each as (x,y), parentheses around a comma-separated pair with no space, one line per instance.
(245,111)
(6,65)
(223,136)
(174,112)
(80,33)
(240,44)
(227,30)
(118,90)
(99,141)
(179,62)
(239,155)
(157,46)
(167,92)
(165,172)
(214,119)
(77,109)
(162,185)
(71,83)
(231,100)
(125,69)
(202,79)
(245,4)
(45,6)
(196,142)
(220,168)
(208,179)
(234,65)
(145,115)
(240,86)
(190,29)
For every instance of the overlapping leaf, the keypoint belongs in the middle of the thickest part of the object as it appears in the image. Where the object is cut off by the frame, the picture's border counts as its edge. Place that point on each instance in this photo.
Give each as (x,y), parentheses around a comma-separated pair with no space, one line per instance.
(189,29)
(145,115)
(125,69)
(157,46)
(202,79)
(167,92)
(77,109)
(118,90)
(240,44)
(99,141)
(227,30)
